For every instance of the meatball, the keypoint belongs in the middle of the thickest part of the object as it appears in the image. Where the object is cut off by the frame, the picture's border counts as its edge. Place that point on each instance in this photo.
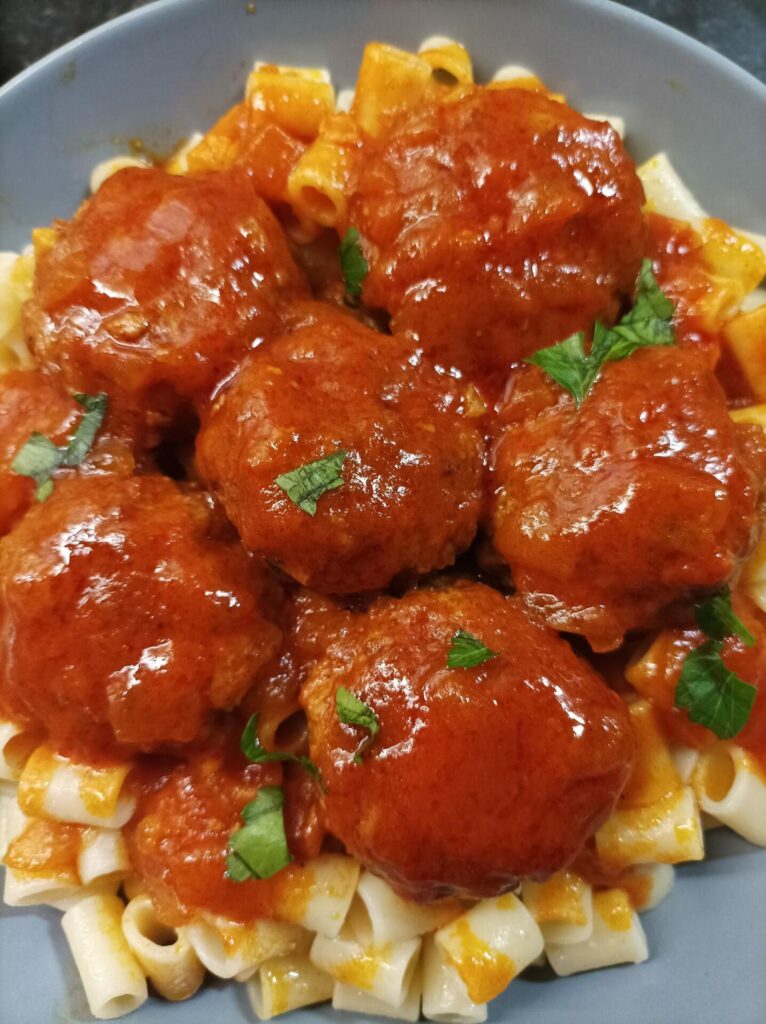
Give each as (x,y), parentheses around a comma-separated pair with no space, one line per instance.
(127,611)
(409,498)
(495,224)
(644,496)
(178,839)
(158,286)
(28,404)
(477,776)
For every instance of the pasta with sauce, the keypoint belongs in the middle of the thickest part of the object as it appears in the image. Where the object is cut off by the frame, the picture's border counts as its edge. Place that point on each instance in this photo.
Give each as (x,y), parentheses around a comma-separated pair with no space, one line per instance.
(319,446)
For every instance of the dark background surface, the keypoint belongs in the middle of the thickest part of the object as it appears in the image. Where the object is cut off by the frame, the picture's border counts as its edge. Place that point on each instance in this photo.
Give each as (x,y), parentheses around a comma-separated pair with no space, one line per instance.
(31,28)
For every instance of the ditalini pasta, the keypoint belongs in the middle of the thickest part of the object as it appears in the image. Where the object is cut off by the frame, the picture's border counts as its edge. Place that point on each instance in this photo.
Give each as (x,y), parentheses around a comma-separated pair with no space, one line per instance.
(113,980)
(220,779)
(617,938)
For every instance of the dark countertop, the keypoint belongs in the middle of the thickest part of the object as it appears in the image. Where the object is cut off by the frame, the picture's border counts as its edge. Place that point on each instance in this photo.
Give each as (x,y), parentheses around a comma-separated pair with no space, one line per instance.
(31,28)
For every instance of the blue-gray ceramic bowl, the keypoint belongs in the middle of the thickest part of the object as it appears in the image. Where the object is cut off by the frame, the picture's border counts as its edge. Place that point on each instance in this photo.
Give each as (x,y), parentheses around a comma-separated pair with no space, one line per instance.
(173,67)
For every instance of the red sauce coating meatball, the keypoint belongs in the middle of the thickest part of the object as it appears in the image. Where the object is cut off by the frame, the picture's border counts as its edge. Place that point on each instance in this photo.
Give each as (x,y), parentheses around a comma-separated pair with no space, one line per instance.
(158,286)
(411,479)
(496,224)
(655,675)
(178,839)
(477,776)
(28,404)
(127,611)
(643,497)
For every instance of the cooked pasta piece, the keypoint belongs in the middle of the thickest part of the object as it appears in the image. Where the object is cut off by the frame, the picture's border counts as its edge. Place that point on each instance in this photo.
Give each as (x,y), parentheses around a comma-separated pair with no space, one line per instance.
(317,184)
(562,906)
(666,192)
(684,759)
(384,971)
(389,918)
(165,954)
(111,976)
(657,818)
(490,944)
(40,858)
(229,949)
(327,884)
(745,334)
(178,163)
(12,818)
(390,81)
(296,99)
(16,744)
(654,883)
(103,856)
(445,997)
(731,786)
(450,61)
(355,1000)
(22,890)
(617,938)
(287,983)
(111,166)
(51,786)
(16,273)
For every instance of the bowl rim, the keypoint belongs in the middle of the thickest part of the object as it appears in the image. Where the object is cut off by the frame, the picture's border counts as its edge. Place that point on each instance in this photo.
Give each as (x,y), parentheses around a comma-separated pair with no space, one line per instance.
(607,8)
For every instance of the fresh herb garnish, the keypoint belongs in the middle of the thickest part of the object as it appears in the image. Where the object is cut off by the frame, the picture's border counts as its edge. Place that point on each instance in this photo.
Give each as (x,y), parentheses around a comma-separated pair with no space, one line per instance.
(352,711)
(259,848)
(646,325)
(252,749)
(39,458)
(467,651)
(305,485)
(710,693)
(353,264)
(717,619)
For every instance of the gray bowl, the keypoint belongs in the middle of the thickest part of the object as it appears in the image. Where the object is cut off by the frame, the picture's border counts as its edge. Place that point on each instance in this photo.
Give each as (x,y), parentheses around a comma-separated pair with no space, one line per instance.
(173,67)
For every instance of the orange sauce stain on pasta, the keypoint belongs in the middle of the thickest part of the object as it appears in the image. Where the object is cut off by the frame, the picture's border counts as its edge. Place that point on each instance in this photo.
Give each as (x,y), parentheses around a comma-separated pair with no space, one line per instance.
(46,849)
(561,898)
(507,902)
(614,908)
(602,875)
(485,971)
(654,774)
(99,788)
(278,980)
(630,838)
(35,779)
(362,970)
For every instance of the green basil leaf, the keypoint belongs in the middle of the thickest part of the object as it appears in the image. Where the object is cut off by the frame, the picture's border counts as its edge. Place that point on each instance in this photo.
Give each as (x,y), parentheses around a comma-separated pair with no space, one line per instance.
(352,711)
(353,264)
(260,847)
(305,485)
(38,459)
(81,442)
(467,651)
(252,749)
(717,619)
(647,324)
(711,694)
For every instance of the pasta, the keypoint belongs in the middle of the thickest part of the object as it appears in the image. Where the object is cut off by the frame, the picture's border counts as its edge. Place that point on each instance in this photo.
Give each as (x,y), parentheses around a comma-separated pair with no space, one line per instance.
(239,771)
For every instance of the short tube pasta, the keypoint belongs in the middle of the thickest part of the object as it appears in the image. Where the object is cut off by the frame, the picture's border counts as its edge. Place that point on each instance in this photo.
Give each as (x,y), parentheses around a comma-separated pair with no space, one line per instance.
(12,818)
(392,919)
(562,906)
(327,884)
(668,831)
(16,744)
(111,166)
(448,59)
(51,786)
(617,938)
(445,997)
(229,949)
(111,976)
(384,971)
(287,983)
(103,855)
(346,997)
(731,786)
(166,956)
(490,944)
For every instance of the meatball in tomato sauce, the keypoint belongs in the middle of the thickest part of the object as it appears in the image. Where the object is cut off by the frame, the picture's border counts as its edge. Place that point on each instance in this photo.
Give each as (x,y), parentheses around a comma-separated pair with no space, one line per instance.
(645,496)
(476,776)
(158,286)
(128,609)
(495,224)
(404,494)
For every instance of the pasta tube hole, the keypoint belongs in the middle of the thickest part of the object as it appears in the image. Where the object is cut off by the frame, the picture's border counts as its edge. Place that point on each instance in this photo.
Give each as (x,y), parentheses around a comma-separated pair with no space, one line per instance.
(321,207)
(292,733)
(717,772)
(151,928)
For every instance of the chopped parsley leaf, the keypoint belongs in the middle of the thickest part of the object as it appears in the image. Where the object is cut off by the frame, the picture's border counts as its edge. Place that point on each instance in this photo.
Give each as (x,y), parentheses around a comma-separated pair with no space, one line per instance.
(305,485)
(467,651)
